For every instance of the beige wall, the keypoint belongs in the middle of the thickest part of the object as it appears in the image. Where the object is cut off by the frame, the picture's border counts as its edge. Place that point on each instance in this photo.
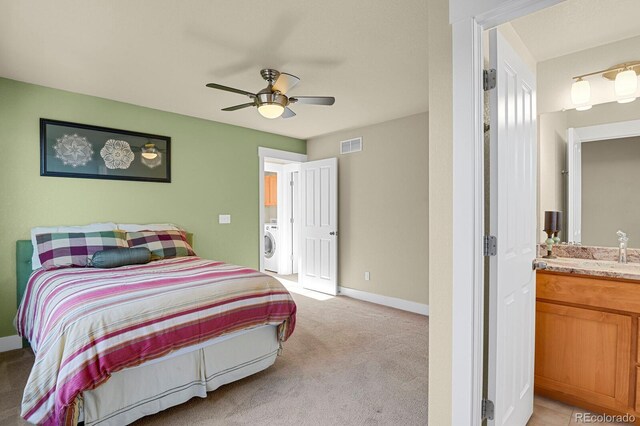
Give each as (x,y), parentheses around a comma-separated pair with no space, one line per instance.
(383,207)
(440,212)
(552,149)
(610,196)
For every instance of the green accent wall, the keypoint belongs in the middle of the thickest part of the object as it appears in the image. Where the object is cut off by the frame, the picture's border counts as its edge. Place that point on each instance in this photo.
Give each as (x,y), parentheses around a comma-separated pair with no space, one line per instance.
(214,171)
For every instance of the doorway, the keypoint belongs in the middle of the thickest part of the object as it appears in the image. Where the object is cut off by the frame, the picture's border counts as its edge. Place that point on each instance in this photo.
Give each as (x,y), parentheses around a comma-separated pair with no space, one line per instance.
(298,211)
(279,198)
(552,162)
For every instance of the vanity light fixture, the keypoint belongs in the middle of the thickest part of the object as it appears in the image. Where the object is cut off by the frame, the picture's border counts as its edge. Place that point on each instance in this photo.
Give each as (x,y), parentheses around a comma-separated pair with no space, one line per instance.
(581,94)
(626,85)
(625,77)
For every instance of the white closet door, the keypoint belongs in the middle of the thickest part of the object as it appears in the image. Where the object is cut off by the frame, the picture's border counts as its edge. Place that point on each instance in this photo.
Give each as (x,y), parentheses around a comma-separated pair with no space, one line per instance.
(319,226)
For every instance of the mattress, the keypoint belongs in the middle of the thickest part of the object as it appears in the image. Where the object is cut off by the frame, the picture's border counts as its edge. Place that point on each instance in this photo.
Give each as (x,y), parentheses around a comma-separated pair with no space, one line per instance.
(149,388)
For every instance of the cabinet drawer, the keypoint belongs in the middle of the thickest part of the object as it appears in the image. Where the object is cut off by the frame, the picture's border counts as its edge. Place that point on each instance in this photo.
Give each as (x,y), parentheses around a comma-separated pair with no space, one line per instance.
(619,295)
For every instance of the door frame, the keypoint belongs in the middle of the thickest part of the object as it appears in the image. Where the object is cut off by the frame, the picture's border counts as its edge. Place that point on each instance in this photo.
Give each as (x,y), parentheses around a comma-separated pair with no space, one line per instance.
(264,153)
(467,363)
(595,133)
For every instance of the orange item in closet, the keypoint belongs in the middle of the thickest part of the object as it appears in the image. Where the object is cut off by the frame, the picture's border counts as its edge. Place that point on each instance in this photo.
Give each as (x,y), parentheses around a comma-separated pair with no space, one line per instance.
(271,190)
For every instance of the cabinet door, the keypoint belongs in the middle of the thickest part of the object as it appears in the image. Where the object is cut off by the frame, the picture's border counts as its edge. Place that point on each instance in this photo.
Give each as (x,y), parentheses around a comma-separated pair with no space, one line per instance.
(583,352)
(269,190)
(274,190)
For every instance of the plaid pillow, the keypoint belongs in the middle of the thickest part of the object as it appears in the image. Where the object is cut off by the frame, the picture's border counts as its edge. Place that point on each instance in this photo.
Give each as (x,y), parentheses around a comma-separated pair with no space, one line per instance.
(161,244)
(56,250)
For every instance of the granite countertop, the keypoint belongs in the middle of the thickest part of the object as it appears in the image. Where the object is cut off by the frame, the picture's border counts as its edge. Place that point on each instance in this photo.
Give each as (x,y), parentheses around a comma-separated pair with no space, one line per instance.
(593,261)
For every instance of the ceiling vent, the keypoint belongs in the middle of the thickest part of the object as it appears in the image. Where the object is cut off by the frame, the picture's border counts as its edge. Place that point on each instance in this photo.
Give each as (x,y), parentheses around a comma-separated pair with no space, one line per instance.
(351,145)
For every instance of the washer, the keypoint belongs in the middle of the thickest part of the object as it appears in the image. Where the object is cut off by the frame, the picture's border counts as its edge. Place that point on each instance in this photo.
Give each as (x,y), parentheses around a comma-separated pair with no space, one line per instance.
(271,247)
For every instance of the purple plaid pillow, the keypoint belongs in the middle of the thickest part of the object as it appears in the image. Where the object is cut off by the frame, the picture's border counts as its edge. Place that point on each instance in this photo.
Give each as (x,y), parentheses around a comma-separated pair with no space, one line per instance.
(57,250)
(161,244)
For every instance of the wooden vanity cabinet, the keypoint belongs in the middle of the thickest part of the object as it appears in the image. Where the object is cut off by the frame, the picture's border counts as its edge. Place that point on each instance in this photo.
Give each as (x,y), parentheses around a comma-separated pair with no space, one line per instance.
(587,340)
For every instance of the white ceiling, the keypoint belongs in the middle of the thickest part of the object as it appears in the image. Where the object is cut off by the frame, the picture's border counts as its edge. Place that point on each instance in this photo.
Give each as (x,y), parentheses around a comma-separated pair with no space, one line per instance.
(575,25)
(370,55)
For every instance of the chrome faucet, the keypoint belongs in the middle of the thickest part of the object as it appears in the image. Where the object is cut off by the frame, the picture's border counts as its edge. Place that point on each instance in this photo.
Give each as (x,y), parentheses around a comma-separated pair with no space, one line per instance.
(622,252)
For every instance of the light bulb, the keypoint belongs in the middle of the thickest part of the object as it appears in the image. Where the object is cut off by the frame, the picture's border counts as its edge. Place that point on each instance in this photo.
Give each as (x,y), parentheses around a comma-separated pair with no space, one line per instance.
(271,110)
(581,94)
(626,85)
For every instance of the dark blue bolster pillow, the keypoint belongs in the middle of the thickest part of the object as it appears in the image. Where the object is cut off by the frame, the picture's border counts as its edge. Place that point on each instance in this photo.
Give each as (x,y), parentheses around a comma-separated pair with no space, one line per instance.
(114,258)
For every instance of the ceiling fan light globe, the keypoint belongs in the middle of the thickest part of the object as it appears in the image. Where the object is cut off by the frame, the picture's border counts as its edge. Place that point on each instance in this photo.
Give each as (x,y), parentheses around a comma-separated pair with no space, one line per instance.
(271,110)
(149,151)
(149,155)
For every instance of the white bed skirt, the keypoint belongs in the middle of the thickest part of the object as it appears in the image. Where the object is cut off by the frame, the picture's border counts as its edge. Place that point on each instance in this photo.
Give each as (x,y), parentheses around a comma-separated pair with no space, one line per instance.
(139,391)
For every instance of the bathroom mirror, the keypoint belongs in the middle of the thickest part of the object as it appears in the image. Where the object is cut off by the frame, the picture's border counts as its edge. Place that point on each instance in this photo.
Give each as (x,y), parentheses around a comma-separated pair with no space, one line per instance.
(590,169)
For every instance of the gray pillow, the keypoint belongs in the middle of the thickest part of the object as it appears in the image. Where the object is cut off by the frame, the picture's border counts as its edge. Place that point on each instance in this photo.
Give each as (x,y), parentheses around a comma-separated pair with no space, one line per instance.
(114,258)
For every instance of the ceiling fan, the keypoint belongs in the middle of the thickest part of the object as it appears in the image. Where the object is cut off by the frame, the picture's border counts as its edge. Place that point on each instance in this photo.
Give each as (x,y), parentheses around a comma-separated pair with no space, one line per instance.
(272,101)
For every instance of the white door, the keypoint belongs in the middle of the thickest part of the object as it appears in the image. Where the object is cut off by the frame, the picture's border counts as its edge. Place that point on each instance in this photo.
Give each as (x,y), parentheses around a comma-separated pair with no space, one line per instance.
(512,289)
(319,227)
(574,161)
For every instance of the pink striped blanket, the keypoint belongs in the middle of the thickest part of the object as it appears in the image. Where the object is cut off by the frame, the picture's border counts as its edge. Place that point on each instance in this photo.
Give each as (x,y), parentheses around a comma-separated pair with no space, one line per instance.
(85,324)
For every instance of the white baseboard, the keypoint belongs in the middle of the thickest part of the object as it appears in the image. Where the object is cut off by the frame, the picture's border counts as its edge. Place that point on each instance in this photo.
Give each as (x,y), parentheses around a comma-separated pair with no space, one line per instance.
(9,343)
(393,302)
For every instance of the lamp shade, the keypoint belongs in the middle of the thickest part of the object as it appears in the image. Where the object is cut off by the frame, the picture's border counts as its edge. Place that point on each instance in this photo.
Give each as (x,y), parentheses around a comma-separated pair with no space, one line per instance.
(581,94)
(271,110)
(626,86)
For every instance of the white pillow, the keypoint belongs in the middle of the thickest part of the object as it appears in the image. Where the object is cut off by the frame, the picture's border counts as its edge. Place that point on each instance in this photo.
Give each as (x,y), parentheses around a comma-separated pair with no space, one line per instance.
(133,227)
(94,227)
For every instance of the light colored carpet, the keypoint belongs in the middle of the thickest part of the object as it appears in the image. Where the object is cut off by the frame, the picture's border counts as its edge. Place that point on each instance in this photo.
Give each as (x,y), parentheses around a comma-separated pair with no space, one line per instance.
(347,363)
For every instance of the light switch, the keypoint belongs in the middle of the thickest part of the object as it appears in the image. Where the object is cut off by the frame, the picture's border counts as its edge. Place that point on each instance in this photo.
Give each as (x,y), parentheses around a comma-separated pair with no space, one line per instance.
(367,276)
(224,218)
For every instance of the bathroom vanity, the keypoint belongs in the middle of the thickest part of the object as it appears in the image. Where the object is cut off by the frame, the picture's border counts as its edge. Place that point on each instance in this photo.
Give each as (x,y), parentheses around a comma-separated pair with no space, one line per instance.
(587,330)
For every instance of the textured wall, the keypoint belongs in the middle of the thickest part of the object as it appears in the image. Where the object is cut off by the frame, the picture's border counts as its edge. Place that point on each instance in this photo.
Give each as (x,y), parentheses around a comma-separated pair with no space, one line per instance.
(383,207)
(214,170)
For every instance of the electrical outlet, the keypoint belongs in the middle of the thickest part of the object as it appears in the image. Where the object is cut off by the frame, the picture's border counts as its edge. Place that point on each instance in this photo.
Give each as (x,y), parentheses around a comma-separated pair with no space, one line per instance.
(367,276)
(224,218)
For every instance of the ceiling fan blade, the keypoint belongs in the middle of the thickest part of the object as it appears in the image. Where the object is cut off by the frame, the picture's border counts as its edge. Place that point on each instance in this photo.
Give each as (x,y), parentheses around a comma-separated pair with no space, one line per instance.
(230,89)
(288,113)
(237,107)
(285,82)
(313,100)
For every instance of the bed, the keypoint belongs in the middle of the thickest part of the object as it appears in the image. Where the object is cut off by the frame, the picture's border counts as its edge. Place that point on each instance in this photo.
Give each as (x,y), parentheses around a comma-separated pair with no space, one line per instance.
(121,392)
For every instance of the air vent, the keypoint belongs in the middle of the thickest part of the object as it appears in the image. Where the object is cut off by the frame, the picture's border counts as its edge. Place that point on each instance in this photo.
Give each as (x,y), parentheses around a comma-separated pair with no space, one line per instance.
(351,145)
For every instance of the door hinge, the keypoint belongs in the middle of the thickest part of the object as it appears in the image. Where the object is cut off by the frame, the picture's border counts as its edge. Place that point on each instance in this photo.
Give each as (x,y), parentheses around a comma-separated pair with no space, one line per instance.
(487,409)
(489,79)
(490,245)
(291,182)
(291,220)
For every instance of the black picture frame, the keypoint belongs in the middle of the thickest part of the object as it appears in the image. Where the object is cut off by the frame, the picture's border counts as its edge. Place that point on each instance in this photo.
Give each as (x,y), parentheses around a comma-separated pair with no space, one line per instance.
(77,150)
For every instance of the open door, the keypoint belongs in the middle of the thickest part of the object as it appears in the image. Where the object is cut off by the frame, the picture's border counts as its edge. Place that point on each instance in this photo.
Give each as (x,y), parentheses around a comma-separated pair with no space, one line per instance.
(574,190)
(512,286)
(319,227)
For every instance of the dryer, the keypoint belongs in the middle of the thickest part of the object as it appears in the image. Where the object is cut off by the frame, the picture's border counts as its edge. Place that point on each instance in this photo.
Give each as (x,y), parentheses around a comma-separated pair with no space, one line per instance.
(271,247)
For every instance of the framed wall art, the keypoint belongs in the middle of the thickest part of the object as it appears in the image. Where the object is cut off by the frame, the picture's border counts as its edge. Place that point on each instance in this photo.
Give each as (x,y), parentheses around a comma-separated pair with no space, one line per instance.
(84,151)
